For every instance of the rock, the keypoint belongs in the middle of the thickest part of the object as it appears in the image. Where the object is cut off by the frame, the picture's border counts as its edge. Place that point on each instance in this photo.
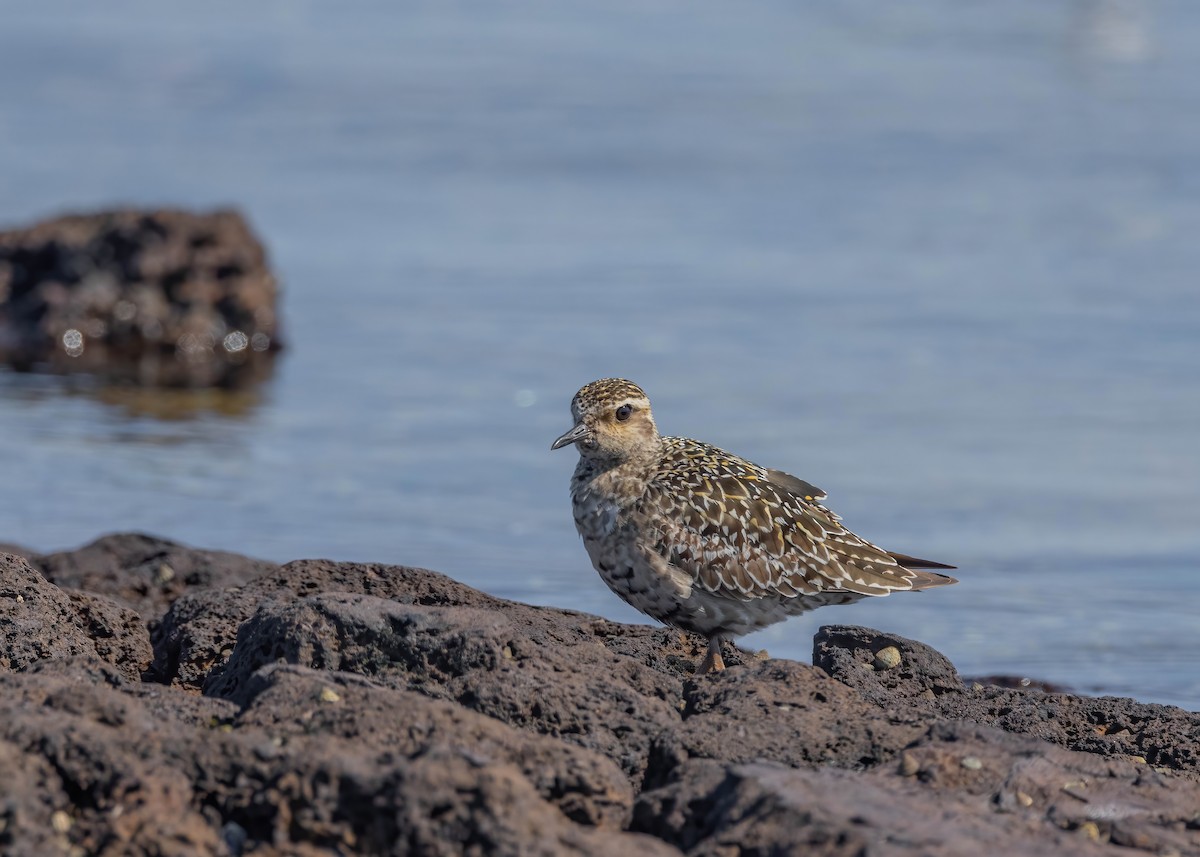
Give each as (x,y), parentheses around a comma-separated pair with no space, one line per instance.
(849,654)
(153,298)
(927,685)
(1017,682)
(355,708)
(781,710)
(768,808)
(533,668)
(39,621)
(146,573)
(86,769)
(198,632)
(1107,726)
(439,780)
(306,707)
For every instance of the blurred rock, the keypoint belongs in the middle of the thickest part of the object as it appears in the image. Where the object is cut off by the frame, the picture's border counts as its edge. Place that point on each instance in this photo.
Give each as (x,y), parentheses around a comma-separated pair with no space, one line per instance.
(150,298)
(368,709)
(1017,682)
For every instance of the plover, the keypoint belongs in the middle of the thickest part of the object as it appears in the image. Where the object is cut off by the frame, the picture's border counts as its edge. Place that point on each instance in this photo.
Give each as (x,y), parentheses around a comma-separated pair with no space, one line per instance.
(708,542)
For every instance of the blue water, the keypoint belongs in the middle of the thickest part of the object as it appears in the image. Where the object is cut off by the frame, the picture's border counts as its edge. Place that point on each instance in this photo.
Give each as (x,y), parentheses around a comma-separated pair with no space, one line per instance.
(939,259)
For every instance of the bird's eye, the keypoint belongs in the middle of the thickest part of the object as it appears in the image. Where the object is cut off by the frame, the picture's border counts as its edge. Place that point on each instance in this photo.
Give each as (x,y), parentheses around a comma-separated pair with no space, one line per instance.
(623,412)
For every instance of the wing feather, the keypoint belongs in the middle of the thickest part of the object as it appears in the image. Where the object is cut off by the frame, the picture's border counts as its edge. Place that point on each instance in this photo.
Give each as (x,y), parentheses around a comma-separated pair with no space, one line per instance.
(746,532)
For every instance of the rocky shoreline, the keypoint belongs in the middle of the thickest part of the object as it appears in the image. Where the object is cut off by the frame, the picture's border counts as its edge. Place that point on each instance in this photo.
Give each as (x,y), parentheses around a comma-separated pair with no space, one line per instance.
(158,699)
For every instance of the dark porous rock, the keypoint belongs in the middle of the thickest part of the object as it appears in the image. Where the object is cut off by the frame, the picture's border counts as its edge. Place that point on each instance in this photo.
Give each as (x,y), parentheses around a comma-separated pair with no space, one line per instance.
(39,621)
(533,668)
(91,772)
(170,298)
(117,633)
(1125,801)
(307,707)
(91,766)
(781,710)
(767,808)
(851,655)
(712,810)
(349,708)
(197,634)
(146,573)
(1162,736)
(926,684)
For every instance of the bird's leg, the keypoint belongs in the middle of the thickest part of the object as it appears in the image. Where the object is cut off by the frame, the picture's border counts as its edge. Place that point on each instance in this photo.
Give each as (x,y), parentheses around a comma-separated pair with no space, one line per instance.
(713,662)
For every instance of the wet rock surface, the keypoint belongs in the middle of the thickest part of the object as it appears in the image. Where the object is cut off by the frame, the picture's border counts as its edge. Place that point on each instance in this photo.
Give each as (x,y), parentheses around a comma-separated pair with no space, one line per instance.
(322,707)
(150,298)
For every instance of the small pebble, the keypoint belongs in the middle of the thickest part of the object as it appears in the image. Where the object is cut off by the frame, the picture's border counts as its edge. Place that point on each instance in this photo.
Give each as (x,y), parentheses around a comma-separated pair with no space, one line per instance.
(886,659)
(20,598)
(971,763)
(1024,799)
(165,573)
(328,694)
(1091,830)
(507,653)
(1138,760)
(60,821)
(909,766)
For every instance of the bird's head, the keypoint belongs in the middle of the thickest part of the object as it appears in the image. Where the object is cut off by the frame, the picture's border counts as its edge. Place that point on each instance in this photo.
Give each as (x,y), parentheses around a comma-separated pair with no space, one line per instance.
(612,421)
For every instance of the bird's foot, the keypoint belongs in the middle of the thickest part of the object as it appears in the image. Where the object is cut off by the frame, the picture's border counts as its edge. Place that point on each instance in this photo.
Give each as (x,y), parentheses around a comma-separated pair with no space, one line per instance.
(713,662)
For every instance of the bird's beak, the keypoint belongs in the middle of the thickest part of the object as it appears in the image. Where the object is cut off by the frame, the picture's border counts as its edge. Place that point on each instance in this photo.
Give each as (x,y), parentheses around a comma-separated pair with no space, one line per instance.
(573,436)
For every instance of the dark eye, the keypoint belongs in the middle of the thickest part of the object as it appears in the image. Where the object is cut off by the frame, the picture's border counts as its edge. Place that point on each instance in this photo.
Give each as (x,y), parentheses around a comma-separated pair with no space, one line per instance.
(623,412)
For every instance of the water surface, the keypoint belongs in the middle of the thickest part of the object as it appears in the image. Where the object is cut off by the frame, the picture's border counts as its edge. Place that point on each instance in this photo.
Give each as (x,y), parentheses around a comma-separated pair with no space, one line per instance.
(940,261)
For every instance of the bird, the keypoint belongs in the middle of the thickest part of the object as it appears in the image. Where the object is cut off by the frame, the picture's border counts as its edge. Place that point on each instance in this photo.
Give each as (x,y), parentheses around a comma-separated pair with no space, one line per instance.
(708,542)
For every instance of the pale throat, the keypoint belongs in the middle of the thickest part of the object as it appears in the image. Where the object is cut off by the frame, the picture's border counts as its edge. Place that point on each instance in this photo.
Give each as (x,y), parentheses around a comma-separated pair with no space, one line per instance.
(614,485)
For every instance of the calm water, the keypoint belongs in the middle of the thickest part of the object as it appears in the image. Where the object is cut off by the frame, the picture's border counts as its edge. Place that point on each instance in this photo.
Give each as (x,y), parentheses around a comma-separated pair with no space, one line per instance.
(940,260)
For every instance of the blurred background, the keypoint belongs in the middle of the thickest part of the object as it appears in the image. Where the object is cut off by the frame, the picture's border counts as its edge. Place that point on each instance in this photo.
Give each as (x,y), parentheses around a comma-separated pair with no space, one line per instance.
(939,259)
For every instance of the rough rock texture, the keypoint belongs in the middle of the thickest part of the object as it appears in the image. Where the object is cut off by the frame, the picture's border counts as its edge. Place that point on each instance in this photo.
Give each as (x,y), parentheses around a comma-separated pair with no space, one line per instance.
(145,573)
(586,787)
(39,621)
(351,708)
(927,685)
(150,297)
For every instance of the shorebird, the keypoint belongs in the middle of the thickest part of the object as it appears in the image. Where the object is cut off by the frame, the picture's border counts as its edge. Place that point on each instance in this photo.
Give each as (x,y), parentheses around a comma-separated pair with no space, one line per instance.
(703,540)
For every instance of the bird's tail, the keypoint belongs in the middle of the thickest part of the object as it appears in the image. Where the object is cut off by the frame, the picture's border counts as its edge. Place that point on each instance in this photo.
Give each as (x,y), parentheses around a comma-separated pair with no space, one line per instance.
(916,562)
(924,579)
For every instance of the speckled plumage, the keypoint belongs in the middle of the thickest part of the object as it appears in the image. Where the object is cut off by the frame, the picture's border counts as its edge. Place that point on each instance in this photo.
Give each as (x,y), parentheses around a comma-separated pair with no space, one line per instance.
(706,541)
